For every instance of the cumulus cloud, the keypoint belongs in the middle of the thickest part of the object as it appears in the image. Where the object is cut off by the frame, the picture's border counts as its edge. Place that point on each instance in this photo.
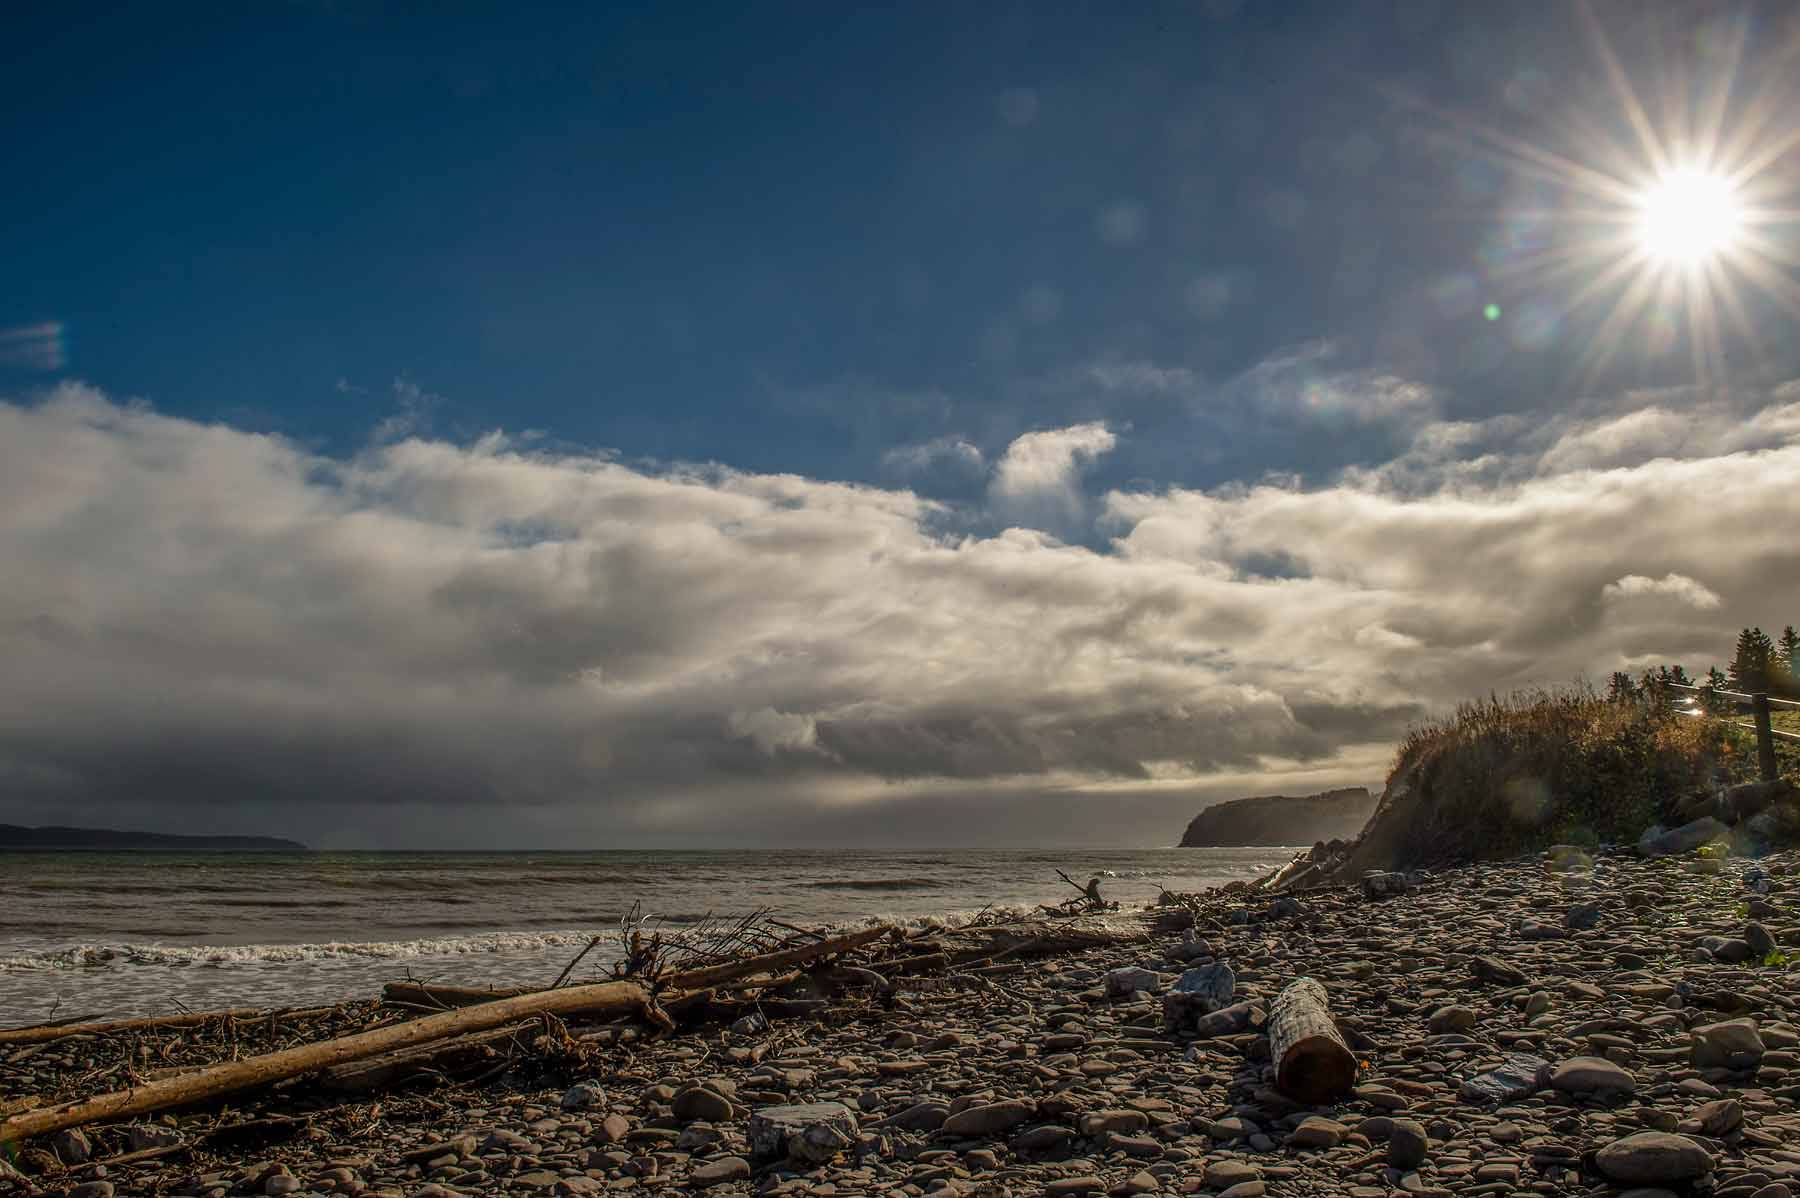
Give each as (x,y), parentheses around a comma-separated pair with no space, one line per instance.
(199,623)
(1674,586)
(1038,479)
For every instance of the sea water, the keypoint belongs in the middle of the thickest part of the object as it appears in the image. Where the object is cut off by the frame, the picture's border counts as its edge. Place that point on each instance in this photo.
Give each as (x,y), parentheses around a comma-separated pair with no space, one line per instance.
(119,934)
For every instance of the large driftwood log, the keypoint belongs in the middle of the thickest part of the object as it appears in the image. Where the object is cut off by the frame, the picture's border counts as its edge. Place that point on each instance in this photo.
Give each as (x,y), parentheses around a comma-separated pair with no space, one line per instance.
(272,1067)
(1312,1063)
(442,997)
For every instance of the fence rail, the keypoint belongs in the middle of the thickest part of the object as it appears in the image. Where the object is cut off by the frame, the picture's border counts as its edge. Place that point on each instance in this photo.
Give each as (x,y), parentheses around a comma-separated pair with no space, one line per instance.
(1760,703)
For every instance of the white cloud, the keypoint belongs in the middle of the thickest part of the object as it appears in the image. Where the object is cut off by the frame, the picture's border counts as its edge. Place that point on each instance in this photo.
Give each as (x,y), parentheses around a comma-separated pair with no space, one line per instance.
(195,616)
(954,452)
(1037,479)
(1674,586)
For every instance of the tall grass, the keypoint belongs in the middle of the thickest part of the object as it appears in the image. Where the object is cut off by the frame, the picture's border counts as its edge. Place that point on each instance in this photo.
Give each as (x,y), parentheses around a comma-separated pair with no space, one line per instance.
(1508,774)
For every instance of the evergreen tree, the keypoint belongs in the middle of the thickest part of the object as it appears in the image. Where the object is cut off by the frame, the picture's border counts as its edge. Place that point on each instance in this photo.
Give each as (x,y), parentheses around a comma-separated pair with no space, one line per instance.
(1620,687)
(1787,656)
(1751,664)
(1715,680)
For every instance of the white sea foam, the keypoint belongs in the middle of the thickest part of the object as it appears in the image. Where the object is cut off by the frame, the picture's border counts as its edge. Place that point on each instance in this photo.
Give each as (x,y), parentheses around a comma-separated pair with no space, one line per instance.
(100,956)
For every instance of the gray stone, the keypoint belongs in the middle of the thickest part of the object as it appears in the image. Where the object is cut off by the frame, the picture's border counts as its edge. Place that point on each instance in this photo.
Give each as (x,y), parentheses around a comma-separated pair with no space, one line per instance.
(1684,839)
(1718,1118)
(1592,1075)
(1222,1175)
(1496,971)
(1582,916)
(1226,1021)
(1519,1076)
(990,1119)
(583,1096)
(726,1168)
(92,1189)
(1760,941)
(1122,982)
(1198,992)
(1407,1144)
(698,1103)
(1653,1158)
(1316,1131)
(1451,1019)
(803,1131)
(1732,1044)
(1189,949)
(921,1116)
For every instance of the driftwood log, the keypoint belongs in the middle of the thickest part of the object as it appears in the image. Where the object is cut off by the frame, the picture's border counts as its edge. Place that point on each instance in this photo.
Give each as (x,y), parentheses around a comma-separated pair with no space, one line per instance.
(235,1076)
(1312,1063)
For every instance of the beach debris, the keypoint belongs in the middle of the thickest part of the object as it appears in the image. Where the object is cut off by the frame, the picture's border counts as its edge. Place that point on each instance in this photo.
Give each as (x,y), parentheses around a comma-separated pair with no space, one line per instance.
(1312,1063)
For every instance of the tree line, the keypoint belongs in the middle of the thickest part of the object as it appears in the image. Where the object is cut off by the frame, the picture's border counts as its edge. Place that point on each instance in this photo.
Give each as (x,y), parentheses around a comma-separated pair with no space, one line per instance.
(1759,663)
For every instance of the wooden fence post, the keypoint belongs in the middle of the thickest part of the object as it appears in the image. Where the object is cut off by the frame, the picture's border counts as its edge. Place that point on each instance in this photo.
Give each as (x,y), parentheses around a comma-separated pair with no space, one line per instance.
(1765,737)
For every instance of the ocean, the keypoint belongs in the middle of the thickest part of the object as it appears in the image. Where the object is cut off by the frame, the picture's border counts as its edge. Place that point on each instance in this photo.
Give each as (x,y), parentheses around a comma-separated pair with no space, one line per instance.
(121,934)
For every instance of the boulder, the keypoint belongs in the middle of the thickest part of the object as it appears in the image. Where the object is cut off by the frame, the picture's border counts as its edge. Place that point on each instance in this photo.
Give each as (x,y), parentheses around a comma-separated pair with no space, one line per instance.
(1592,1075)
(1653,1158)
(1198,992)
(812,1132)
(1733,1044)
(1684,839)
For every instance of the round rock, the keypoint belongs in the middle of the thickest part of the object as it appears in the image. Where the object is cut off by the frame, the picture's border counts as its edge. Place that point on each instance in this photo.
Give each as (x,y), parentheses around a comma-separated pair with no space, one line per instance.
(1653,1158)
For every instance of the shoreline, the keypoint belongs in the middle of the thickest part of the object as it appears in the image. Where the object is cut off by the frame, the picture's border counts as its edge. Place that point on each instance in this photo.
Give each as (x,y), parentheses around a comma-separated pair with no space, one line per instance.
(1040,1081)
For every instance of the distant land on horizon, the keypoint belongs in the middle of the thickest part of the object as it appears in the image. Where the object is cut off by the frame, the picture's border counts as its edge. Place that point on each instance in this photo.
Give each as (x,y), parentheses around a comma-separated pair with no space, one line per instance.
(15,836)
(1281,819)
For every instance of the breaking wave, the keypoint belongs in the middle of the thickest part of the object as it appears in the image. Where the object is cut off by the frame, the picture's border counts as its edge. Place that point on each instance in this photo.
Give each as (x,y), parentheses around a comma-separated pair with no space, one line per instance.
(104,956)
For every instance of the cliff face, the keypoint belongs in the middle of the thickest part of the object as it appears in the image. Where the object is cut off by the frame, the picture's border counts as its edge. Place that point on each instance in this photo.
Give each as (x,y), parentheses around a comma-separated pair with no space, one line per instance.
(1282,819)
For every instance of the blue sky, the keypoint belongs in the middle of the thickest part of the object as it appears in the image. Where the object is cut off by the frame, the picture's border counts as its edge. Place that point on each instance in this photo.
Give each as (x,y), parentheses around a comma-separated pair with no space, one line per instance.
(784,238)
(1040,277)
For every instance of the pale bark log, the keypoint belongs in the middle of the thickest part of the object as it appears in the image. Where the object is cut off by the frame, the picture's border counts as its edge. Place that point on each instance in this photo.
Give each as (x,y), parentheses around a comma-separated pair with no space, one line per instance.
(1312,1063)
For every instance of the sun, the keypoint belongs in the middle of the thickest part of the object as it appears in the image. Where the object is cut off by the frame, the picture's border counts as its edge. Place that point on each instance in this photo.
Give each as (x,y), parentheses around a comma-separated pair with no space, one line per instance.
(1689,217)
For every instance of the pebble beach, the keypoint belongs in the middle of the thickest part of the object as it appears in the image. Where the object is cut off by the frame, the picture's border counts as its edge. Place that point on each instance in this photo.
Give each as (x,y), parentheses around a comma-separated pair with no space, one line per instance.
(1559,1024)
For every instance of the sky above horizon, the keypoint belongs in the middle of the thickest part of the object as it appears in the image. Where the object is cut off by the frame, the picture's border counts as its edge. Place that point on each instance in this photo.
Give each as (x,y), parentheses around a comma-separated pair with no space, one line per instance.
(480,426)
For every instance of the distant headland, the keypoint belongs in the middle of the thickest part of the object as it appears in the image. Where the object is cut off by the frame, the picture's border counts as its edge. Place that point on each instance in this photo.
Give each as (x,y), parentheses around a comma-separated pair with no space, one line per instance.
(13,836)
(1281,819)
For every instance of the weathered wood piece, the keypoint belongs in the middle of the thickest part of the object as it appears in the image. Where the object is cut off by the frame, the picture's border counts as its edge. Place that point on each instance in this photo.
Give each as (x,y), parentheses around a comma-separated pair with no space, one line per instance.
(443,998)
(273,1067)
(712,975)
(1312,1063)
